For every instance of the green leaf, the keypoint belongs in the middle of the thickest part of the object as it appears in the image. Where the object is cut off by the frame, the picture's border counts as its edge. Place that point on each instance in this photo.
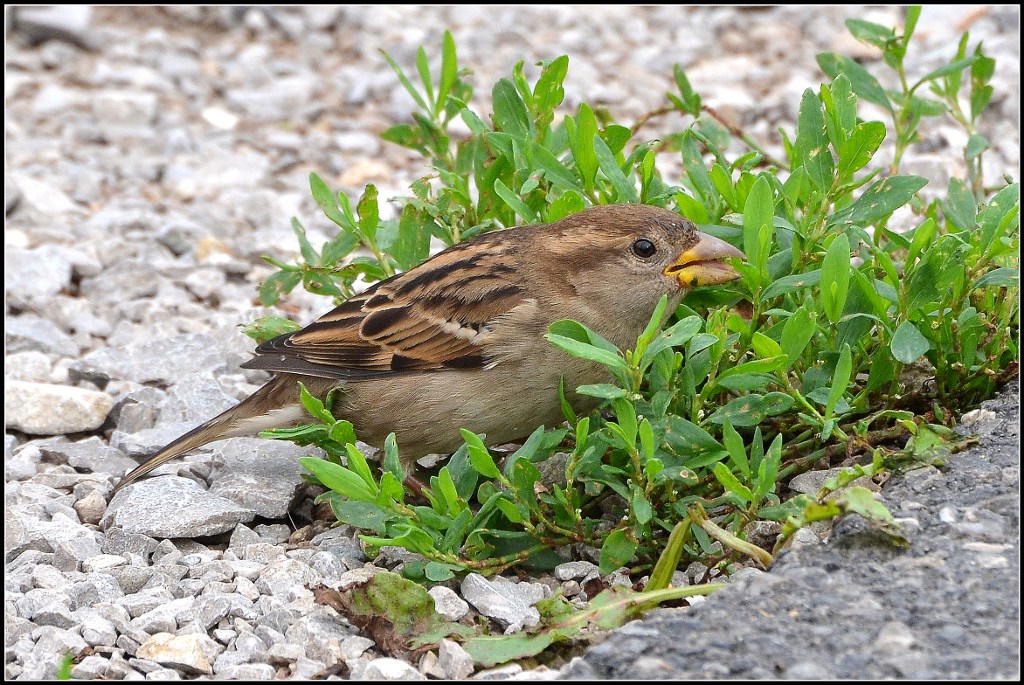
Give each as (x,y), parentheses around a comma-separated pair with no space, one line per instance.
(64,666)
(605,391)
(678,334)
(277,285)
(908,344)
(549,92)
(651,329)
(690,99)
(309,255)
(980,97)
(960,208)
(922,238)
(489,650)
(812,142)
(342,432)
(427,518)
(880,200)
(567,203)
(314,405)
(624,189)
(792,283)
(840,380)
(357,463)
(691,208)
(860,500)
(473,122)
(755,366)
(449,71)
(269,327)
(339,479)
(758,214)
(926,107)
(722,180)
(563,402)
(455,536)
(685,436)
(449,490)
(510,113)
(952,68)
(860,147)
(643,512)
(554,171)
(647,444)
(406,136)
(533,448)
(870,33)
(746,381)
(864,84)
(481,459)
(513,201)
(764,346)
(661,575)
(617,551)
(940,266)
(976,144)
(524,476)
(751,410)
(696,171)
(423,67)
(910,23)
(796,333)
(581,133)
(737,449)
(437,572)
(511,511)
(338,247)
(731,483)
(1000,216)
(625,416)
(841,107)
(616,137)
(1002,277)
(328,202)
(768,470)
(577,331)
(405,82)
(587,351)
(391,490)
(365,515)
(413,243)
(835,277)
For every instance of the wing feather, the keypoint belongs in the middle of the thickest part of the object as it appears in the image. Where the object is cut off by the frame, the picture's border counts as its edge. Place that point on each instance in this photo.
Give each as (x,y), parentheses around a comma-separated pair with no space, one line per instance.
(436,316)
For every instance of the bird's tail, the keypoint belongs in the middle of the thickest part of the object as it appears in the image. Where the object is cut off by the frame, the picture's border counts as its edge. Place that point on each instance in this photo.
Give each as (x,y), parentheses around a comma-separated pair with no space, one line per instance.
(275,404)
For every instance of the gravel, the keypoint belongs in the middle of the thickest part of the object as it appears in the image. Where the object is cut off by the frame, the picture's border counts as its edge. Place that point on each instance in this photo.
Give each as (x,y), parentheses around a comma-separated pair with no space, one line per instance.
(155,154)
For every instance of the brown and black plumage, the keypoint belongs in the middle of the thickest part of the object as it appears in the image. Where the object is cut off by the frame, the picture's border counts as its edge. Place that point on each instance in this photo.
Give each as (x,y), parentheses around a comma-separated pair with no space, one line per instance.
(457,342)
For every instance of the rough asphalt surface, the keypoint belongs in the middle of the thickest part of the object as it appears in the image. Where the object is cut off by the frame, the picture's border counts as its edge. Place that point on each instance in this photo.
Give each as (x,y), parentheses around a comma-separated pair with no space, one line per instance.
(947,607)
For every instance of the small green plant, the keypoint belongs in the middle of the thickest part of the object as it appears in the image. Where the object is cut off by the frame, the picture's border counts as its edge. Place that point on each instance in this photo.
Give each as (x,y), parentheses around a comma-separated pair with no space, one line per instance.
(402,619)
(67,662)
(804,362)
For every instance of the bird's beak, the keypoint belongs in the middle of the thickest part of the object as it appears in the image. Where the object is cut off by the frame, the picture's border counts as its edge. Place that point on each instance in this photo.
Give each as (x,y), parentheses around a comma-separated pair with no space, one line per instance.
(702,264)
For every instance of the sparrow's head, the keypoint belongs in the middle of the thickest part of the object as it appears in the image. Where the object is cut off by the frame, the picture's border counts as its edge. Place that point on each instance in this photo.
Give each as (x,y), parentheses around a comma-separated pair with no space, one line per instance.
(620,259)
(626,245)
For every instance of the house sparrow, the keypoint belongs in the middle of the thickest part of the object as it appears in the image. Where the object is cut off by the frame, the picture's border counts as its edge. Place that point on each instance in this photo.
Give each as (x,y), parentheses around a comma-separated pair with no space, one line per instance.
(458,341)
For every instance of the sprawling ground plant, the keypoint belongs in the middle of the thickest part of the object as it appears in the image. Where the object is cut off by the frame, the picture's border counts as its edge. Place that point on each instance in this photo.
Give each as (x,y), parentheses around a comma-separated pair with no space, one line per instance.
(847,341)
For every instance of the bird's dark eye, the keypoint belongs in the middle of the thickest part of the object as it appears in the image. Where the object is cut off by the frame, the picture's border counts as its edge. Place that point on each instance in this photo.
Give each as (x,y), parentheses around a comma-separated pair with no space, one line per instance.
(644,248)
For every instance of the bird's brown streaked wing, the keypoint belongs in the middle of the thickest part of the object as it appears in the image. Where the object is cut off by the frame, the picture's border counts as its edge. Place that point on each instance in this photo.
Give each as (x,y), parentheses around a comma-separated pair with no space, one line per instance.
(436,316)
